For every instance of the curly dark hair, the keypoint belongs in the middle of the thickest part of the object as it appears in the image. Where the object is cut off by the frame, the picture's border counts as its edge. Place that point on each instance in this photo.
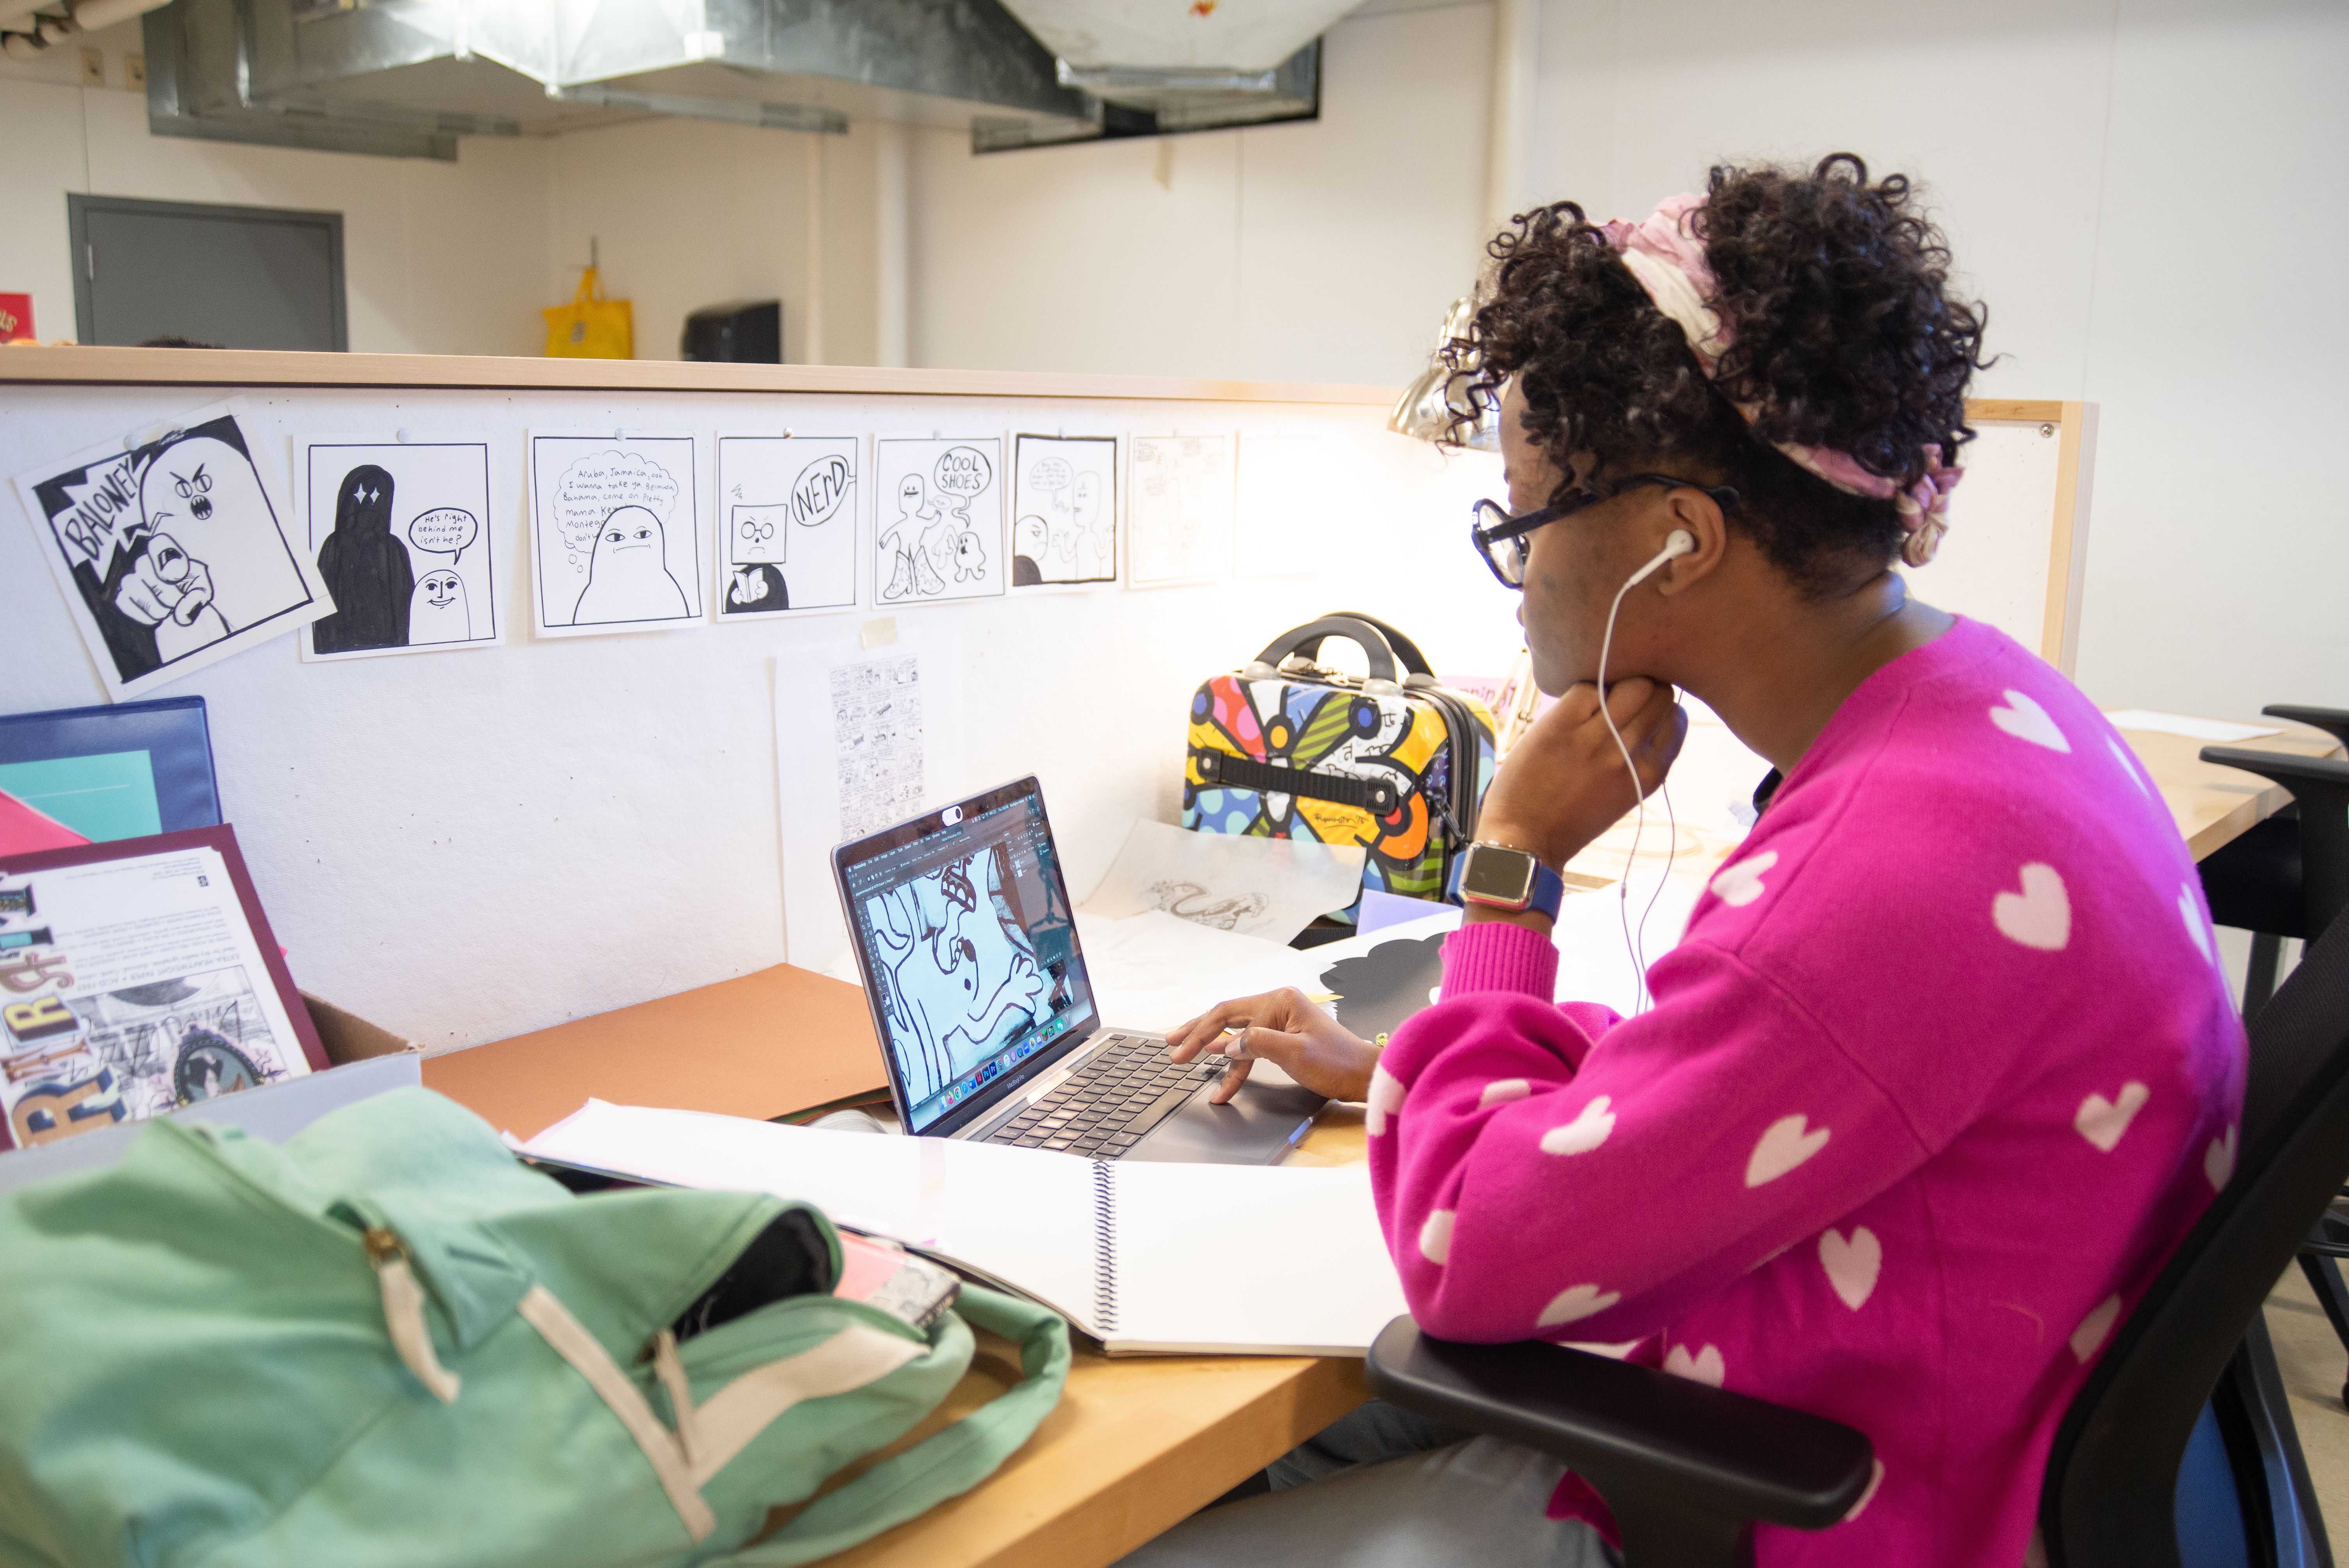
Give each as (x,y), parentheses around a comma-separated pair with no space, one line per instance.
(1835,294)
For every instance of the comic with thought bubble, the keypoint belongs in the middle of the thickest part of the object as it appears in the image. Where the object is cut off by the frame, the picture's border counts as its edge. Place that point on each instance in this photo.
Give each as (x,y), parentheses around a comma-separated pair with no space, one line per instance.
(402,534)
(938,519)
(615,533)
(1064,516)
(787,509)
(172,553)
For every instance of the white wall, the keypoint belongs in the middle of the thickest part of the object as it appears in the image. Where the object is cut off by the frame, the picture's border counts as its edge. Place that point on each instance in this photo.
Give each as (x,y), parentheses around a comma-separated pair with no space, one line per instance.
(1320,251)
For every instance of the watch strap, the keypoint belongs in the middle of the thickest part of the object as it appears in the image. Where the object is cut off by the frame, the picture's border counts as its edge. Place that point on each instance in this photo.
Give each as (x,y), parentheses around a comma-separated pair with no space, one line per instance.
(1547,895)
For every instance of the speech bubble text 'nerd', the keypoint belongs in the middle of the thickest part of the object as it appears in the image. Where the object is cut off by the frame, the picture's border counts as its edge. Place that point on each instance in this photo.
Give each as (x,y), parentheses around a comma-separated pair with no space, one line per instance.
(1050,473)
(445,531)
(963,471)
(817,493)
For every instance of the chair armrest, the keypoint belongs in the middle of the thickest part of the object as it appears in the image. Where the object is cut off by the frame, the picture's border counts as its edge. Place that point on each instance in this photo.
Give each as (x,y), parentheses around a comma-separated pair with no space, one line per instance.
(2321,785)
(2314,780)
(1637,1435)
(2333,721)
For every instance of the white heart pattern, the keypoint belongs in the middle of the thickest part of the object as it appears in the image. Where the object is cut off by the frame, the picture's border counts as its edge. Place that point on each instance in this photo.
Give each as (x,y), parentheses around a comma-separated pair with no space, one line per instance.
(1782,1146)
(2218,1159)
(2205,941)
(1705,1366)
(1586,1132)
(2128,766)
(2089,1337)
(1577,1302)
(1500,1091)
(1852,1265)
(2103,1121)
(1384,1099)
(2040,915)
(1435,1236)
(1740,884)
(2026,720)
(1875,1480)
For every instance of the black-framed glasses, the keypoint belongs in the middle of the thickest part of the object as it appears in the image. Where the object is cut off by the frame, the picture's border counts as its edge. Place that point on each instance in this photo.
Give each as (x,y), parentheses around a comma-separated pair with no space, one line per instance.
(1500,537)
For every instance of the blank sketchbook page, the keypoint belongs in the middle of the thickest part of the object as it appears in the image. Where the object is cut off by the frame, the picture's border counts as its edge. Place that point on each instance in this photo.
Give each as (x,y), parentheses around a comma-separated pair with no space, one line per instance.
(1024,1216)
(1245,1258)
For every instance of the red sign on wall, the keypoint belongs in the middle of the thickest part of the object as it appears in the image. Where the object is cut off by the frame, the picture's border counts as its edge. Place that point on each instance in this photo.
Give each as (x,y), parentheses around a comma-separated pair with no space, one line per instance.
(15,317)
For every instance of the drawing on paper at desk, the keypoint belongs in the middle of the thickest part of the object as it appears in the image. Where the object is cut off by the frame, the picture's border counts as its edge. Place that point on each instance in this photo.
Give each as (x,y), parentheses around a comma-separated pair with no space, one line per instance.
(1178,512)
(615,533)
(397,529)
(787,509)
(1065,494)
(173,553)
(1200,906)
(938,533)
(959,975)
(876,731)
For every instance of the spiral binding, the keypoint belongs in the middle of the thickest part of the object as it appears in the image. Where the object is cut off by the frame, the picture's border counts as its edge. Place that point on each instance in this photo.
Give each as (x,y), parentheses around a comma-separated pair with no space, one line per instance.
(1105,1249)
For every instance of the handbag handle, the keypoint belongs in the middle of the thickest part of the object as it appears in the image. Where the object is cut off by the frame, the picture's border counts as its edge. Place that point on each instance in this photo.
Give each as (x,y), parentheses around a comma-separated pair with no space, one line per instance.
(945,1464)
(586,294)
(1307,638)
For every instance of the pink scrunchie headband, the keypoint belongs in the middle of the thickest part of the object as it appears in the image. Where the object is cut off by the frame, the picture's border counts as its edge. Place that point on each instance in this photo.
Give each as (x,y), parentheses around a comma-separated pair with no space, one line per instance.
(1666,256)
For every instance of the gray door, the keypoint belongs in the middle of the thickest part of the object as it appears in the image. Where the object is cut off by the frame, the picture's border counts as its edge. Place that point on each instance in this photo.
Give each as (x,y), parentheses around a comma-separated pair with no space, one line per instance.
(242,277)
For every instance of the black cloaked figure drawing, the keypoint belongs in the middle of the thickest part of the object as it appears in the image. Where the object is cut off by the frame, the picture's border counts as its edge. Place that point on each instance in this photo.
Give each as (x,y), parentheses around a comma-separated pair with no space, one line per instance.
(1387,985)
(366,570)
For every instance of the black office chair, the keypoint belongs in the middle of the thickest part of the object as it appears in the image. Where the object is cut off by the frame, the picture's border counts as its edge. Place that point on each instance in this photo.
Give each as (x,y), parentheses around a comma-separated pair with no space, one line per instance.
(2289,876)
(1687,1470)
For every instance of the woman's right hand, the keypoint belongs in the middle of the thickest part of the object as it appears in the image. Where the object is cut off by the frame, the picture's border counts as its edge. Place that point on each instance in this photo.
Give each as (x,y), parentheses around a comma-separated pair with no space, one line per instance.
(1283,1027)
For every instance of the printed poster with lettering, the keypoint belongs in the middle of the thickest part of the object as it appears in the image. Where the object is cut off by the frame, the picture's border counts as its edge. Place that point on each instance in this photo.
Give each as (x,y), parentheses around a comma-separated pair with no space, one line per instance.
(174,552)
(137,977)
(787,509)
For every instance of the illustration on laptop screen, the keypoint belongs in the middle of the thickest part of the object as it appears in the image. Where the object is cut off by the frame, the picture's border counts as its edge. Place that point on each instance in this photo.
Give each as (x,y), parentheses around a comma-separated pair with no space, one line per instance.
(972,952)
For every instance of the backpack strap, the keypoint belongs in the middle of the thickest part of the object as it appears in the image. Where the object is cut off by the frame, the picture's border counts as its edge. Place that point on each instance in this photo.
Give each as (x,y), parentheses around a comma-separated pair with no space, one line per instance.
(944,1465)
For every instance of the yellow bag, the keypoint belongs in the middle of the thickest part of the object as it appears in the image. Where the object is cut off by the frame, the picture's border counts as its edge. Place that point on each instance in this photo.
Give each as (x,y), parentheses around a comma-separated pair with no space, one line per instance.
(590,326)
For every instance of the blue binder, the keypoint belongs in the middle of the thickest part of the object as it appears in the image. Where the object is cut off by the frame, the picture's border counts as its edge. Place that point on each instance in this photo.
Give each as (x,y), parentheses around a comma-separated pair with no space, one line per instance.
(122,772)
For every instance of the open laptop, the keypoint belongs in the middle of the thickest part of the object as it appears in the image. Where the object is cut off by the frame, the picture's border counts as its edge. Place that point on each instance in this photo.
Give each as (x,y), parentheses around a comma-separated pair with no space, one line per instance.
(962,927)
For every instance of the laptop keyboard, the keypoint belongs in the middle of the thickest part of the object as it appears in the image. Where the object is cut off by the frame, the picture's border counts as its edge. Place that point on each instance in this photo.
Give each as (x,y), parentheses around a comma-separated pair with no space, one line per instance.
(1110,1103)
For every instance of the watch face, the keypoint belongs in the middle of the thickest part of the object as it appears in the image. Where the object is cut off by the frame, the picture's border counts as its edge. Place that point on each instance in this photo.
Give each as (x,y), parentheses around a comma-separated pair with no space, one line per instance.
(1498,876)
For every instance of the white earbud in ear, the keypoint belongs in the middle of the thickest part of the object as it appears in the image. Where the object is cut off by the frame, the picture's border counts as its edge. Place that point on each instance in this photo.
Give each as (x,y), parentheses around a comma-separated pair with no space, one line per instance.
(1677,544)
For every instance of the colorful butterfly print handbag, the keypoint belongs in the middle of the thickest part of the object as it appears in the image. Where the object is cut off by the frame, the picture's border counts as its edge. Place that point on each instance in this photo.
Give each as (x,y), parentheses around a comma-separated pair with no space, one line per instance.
(1286,749)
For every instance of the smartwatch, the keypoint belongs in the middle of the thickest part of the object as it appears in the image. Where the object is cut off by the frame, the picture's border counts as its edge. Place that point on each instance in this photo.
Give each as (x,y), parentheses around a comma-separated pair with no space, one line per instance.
(1500,877)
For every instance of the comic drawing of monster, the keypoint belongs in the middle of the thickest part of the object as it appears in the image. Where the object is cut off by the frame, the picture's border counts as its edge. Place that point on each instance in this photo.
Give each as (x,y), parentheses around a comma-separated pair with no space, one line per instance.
(628,575)
(904,544)
(959,972)
(366,568)
(437,611)
(970,558)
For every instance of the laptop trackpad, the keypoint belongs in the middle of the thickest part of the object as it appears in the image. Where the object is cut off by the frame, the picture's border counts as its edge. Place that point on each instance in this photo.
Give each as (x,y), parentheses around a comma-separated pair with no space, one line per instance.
(1259,1127)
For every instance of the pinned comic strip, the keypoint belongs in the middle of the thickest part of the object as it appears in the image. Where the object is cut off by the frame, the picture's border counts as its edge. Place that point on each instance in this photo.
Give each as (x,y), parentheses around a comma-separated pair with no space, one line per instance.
(173,552)
(938,530)
(1064,516)
(401,534)
(787,519)
(615,534)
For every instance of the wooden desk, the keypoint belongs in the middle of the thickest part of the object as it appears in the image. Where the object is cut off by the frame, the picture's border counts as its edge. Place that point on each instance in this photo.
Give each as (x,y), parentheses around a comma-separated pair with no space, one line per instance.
(2213,805)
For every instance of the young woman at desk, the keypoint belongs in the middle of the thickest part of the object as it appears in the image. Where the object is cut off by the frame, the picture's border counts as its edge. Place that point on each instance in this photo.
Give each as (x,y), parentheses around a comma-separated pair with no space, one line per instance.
(1944,1066)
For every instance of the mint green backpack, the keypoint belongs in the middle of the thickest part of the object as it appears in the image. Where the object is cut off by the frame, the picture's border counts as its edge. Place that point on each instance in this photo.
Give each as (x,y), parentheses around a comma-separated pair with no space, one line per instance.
(387,1345)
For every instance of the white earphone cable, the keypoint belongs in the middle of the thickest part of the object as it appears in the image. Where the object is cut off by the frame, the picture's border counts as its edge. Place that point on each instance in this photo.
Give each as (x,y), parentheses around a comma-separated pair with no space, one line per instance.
(1635,946)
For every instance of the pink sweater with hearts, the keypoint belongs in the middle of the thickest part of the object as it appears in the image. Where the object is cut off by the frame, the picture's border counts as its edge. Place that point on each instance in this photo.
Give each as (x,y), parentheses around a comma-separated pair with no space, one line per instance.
(1942,1070)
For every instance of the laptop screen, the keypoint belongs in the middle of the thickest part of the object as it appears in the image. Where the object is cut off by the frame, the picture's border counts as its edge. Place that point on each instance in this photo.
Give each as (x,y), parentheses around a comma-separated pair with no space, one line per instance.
(962,922)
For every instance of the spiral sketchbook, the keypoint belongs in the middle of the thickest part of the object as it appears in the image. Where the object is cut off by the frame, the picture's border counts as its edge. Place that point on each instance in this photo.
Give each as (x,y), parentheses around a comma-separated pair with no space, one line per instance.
(1147,1258)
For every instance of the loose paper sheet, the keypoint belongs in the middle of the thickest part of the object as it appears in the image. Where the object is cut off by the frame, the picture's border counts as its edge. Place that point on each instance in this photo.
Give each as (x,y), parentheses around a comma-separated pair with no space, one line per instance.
(615,533)
(1285,508)
(1154,971)
(938,526)
(174,553)
(1270,888)
(2217,730)
(128,987)
(876,741)
(1064,527)
(1179,507)
(403,536)
(904,737)
(787,511)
